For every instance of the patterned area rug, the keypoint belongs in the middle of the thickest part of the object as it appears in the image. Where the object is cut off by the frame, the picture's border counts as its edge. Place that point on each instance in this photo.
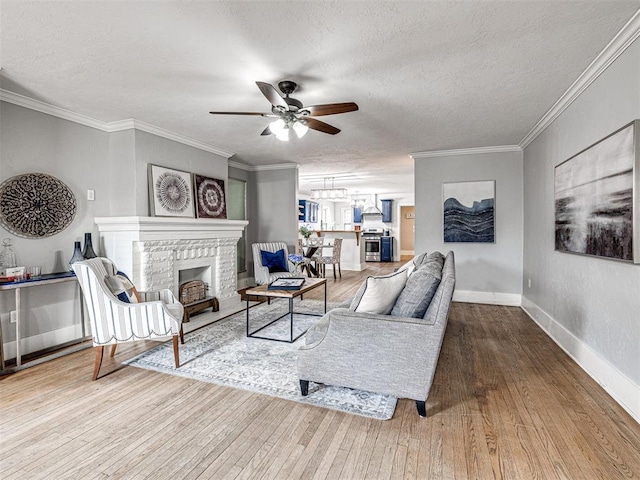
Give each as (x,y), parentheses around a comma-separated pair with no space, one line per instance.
(221,353)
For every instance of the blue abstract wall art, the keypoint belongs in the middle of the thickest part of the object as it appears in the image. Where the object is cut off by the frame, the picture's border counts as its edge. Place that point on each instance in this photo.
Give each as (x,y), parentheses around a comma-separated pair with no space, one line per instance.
(469,212)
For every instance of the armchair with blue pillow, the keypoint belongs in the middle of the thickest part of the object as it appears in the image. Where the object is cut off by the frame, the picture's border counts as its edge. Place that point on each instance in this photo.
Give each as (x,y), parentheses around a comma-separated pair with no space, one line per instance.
(270,262)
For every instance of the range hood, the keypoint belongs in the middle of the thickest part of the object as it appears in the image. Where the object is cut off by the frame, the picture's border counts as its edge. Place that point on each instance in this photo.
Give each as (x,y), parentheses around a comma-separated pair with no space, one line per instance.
(372,211)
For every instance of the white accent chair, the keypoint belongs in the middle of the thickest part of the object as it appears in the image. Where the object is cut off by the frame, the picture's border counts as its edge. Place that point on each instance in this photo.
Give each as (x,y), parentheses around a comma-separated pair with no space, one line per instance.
(159,314)
(260,272)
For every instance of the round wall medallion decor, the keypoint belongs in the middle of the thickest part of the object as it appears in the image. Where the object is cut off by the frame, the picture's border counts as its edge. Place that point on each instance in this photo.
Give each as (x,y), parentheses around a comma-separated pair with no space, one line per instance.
(210,201)
(172,192)
(211,198)
(36,205)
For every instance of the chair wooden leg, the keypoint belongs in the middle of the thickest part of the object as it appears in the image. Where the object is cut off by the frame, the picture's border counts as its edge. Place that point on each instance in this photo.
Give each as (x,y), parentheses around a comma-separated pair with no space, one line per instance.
(176,354)
(339,271)
(334,271)
(181,335)
(113,350)
(98,362)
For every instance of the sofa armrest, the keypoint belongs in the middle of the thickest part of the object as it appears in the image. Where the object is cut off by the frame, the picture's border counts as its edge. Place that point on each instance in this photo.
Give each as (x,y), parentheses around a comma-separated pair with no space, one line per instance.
(380,353)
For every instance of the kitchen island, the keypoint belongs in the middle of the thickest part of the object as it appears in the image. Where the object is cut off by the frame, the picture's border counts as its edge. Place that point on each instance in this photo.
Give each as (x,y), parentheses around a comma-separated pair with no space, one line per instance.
(352,254)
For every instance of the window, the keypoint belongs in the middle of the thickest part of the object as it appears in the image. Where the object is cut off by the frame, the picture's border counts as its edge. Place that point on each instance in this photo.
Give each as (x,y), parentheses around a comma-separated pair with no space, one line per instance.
(324,220)
(237,210)
(347,217)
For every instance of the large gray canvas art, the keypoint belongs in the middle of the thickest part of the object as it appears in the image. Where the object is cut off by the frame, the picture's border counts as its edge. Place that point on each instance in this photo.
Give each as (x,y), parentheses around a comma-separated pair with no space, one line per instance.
(469,214)
(594,198)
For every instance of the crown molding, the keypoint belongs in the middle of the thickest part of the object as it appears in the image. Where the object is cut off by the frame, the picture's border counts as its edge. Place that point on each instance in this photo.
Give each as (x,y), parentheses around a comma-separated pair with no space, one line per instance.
(59,112)
(466,151)
(109,127)
(259,168)
(277,166)
(625,37)
(240,166)
(161,132)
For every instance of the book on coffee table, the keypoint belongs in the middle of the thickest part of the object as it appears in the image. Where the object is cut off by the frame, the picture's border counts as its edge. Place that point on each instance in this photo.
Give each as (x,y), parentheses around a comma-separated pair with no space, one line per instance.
(286,284)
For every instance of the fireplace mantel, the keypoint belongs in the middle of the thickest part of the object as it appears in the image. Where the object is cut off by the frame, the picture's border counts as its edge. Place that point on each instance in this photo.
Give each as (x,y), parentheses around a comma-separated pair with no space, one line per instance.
(164,228)
(152,249)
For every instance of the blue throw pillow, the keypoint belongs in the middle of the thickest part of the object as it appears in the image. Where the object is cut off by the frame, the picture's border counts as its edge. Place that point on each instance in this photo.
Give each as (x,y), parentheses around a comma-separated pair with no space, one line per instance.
(275,262)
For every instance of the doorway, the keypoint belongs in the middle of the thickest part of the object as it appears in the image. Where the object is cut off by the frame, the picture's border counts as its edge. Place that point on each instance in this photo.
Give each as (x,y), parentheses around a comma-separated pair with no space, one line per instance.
(407,232)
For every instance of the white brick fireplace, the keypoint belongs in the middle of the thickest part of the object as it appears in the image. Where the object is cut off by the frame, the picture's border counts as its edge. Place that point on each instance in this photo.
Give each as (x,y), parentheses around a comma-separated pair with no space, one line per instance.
(153,251)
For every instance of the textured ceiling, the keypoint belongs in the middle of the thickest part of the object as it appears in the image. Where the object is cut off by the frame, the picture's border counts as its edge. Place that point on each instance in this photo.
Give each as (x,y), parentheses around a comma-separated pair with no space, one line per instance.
(426,75)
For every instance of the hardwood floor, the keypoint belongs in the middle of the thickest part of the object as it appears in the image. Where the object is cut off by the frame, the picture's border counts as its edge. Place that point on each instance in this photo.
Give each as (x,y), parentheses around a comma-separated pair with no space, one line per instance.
(506,403)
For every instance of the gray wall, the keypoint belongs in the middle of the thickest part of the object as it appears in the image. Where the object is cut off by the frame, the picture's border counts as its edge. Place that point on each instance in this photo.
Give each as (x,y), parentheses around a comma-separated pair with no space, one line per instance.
(597,300)
(152,149)
(480,267)
(33,142)
(273,215)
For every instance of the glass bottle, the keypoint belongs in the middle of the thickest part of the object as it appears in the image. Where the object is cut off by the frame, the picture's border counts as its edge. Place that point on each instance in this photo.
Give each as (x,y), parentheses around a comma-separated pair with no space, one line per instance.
(77,255)
(7,256)
(88,247)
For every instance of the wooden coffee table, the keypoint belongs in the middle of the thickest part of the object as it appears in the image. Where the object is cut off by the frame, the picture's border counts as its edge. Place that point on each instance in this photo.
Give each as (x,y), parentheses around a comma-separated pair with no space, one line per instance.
(263,291)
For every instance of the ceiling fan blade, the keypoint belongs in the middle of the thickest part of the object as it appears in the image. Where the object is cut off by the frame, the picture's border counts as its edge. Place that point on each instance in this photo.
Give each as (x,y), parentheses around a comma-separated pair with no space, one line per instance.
(331,109)
(320,126)
(272,95)
(241,113)
(267,131)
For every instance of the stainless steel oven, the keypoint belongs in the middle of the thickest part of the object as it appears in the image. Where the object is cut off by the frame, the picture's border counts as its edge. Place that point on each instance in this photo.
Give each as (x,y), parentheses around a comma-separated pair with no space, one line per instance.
(372,245)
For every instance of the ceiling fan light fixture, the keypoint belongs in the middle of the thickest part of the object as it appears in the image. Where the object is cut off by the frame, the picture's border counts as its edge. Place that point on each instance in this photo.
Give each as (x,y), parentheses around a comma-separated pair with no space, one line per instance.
(277,126)
(300,129)
(283,134)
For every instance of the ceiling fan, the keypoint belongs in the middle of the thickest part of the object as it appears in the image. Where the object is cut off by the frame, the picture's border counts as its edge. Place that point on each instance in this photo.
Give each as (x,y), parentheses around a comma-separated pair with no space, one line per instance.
(290,114)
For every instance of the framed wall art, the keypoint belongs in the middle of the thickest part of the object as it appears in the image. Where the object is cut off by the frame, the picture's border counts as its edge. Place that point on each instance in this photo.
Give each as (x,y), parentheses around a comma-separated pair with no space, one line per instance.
(209,196)
(170,192)
(595,211)
(469,211)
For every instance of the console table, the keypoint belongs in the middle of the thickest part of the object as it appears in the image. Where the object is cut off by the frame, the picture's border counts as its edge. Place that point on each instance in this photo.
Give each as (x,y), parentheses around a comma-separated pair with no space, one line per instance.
(18,286)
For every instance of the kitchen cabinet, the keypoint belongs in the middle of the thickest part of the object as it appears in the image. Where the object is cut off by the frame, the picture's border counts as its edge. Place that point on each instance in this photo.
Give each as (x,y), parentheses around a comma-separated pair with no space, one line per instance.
(387,210)
(357,215)
(386,249)
(308,211)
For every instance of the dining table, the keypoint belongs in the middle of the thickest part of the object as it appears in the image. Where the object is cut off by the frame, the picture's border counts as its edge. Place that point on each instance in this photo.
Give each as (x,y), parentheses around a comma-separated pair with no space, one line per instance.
(309,250)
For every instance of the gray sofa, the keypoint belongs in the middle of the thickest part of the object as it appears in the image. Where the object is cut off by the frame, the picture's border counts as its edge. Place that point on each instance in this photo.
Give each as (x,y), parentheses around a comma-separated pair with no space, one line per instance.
(385,354)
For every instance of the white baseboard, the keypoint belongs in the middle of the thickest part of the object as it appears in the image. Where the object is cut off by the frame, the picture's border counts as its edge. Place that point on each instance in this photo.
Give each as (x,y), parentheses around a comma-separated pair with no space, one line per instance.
(407,252)
(356,267)
(622,389)
(491,298)
(44,340)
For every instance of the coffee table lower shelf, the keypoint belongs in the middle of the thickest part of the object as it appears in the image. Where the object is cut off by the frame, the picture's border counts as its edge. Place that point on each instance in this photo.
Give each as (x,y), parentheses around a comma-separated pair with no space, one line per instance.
(263,291)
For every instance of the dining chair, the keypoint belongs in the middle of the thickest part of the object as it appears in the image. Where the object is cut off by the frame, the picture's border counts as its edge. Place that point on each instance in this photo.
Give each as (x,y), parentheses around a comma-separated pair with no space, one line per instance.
(334,259)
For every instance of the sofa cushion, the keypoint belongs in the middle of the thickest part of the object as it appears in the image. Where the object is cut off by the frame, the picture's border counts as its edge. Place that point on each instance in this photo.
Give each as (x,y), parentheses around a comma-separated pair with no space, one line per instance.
(378,294)
(417,294)
(434,262)
(275,262)
(414,263)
